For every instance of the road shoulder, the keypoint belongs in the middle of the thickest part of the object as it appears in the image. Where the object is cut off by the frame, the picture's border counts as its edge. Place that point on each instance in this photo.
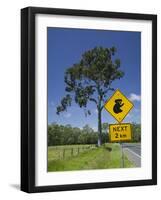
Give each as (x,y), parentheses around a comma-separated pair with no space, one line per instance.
(133,157)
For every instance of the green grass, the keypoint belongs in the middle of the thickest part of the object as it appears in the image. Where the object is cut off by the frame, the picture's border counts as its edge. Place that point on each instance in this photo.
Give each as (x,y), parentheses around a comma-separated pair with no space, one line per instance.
(56,152)
(91,158)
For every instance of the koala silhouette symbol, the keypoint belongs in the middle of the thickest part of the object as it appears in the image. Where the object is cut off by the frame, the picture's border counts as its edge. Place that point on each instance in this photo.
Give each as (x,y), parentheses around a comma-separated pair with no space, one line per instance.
(117,107)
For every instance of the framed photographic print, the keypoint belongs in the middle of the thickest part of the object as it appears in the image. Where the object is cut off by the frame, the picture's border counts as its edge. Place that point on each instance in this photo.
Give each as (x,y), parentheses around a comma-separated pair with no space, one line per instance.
(88,99)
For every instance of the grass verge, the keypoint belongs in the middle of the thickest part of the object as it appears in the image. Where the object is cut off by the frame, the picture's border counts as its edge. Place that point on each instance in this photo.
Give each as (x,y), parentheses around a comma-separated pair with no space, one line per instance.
(96,158)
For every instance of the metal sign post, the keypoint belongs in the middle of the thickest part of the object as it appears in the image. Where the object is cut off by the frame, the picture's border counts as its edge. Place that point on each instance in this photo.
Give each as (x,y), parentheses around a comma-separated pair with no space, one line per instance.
(122,155)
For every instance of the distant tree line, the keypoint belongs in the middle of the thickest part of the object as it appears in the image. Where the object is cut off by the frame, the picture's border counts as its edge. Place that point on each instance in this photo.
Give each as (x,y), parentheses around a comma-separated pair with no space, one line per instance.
(136,132)
(66,135)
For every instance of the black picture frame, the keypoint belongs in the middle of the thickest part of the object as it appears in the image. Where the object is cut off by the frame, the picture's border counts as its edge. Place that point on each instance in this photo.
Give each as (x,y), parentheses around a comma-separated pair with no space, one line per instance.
(28,99)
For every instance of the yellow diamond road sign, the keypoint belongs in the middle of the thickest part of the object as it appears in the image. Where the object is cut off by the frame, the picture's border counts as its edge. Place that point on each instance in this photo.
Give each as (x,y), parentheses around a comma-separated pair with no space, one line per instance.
(120,132)
(118,105)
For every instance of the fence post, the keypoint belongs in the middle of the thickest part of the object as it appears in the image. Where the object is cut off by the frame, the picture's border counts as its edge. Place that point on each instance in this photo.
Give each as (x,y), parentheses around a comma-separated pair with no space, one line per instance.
(63,153)
(71,151)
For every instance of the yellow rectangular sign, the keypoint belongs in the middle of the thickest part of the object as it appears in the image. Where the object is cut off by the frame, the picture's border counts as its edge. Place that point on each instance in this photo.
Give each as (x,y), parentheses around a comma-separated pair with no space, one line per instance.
(120,132)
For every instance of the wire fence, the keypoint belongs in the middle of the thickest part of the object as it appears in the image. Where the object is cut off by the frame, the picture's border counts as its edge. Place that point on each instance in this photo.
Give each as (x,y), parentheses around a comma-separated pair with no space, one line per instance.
(64,152)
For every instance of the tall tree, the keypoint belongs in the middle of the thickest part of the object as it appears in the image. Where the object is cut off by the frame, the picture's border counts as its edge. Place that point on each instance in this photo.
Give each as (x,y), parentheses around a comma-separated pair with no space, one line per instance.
(90,79)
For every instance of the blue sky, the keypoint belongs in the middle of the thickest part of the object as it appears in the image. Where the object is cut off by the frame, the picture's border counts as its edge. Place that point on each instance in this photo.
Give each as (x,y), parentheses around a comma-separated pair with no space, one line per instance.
(65,47)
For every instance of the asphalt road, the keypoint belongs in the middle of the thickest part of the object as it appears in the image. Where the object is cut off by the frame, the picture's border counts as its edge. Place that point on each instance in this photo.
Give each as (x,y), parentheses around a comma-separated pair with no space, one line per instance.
(133,152)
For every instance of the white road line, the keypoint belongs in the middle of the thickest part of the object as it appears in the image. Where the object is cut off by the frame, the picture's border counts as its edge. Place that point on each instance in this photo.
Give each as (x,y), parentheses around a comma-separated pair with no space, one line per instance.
(133,152)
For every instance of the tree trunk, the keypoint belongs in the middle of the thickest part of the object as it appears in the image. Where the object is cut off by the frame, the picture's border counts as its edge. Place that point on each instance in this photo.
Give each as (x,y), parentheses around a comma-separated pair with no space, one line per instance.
(99,127)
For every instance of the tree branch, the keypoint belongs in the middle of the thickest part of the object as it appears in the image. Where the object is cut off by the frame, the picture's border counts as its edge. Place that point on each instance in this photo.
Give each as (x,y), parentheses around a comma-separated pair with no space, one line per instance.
(94,100)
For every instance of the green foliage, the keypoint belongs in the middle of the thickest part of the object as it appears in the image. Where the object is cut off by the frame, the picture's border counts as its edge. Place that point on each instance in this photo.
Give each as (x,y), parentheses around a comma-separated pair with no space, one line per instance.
(93,74)
(136,131)
(67,135)
(105,127)
(66,101)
